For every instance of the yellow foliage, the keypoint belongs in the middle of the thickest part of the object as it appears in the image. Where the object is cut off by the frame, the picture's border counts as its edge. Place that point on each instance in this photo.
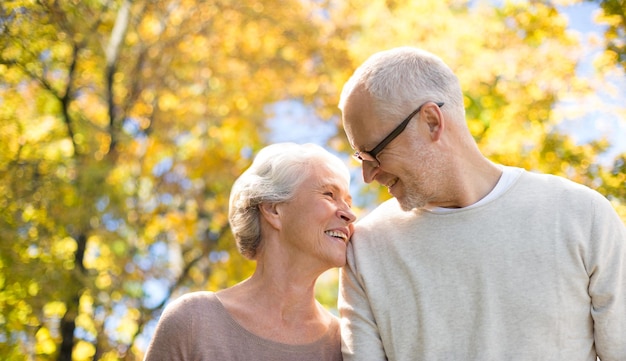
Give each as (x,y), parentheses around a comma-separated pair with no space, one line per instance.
(83,351)
(33,288)
(86,322)
(609,19)
(64,248)
(606,60)
(111,356)
(86,303)
(168,102)
(126,328)
(616,182)
(150,28)
(45,345)
(54,309)
(566,2)
(140,161)
(103,281)
(326,289)
(41,130)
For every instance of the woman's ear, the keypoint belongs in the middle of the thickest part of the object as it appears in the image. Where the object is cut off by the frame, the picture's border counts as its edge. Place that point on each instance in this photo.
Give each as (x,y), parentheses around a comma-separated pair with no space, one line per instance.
(269,212)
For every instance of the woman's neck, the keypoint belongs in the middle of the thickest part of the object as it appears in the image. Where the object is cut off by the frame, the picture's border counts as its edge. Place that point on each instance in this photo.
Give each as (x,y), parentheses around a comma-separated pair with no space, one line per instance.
(277,306)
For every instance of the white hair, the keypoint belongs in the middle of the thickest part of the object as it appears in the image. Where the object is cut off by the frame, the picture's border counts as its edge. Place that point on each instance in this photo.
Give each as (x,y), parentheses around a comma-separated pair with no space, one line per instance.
(402,78)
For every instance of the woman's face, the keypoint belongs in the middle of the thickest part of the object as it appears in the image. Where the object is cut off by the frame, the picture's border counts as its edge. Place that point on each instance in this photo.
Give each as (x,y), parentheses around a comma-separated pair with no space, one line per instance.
(317,222)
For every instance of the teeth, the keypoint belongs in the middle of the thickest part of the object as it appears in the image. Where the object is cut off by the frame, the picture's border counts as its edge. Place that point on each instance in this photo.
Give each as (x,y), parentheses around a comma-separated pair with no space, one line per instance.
(337,234)
(392,183)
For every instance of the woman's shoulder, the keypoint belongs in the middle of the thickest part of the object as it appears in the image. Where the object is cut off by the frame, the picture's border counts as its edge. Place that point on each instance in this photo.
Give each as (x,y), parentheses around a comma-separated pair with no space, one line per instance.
(198,296)
(187,304)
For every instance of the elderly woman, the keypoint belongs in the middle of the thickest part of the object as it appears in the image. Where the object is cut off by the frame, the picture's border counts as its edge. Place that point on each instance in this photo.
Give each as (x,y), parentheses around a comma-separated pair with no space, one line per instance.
(289,212)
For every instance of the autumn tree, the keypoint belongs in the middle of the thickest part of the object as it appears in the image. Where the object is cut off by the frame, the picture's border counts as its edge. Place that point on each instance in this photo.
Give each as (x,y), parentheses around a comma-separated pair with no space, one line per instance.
(124,123)
(613,15)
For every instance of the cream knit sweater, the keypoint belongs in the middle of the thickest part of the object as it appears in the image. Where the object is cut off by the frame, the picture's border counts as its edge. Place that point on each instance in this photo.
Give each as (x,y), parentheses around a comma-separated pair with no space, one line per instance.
(538,273)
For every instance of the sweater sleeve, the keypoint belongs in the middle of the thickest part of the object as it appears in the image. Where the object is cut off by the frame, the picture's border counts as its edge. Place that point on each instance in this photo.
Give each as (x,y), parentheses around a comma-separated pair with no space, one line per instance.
(359,332)
(171,337)
(607,282)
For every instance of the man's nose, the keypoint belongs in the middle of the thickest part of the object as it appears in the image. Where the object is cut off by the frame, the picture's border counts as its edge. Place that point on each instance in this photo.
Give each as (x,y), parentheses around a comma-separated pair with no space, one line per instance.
(370,169)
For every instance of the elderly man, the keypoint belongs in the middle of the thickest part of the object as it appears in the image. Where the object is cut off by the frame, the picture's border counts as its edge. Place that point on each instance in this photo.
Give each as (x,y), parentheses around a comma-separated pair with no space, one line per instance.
(470,260)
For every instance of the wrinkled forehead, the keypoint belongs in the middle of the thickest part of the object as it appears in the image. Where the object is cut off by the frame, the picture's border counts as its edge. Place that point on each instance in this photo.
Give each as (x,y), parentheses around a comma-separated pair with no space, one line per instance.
(335,166)
(324,174)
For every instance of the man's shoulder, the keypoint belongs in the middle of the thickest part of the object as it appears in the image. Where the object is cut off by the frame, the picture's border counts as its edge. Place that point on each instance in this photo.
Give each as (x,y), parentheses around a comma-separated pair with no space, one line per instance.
(555,183)
(389,209)
(557,192)
(386,219)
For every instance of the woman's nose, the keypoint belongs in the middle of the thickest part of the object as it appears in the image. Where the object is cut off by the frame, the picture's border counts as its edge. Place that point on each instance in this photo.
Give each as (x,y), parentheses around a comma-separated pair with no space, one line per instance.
(347,215)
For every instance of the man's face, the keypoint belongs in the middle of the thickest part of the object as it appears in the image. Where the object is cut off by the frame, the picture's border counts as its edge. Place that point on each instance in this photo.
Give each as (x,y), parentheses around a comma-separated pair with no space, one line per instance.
(402,165)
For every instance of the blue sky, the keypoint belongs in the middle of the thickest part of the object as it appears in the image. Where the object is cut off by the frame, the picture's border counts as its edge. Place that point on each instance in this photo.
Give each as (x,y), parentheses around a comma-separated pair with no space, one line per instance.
(605,106)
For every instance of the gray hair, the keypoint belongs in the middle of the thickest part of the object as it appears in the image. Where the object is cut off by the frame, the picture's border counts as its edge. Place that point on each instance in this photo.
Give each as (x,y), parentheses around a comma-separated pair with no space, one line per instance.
(273,177)
(406,77)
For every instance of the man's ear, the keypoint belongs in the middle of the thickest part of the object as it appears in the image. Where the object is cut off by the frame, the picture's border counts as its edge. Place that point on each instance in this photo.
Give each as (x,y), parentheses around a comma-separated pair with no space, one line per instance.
(435,121)
(269,212)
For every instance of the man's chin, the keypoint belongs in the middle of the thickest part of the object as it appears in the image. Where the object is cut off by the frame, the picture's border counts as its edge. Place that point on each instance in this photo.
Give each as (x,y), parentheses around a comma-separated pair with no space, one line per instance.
(404,205)
(409,205)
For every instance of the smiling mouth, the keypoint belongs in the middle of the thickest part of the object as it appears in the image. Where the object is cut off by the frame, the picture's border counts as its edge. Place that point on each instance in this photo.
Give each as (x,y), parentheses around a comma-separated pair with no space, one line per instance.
(337,234)
(392,183)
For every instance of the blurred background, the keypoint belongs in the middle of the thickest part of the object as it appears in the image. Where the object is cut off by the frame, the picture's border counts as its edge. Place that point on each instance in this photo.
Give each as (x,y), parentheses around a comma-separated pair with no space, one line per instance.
(123,125)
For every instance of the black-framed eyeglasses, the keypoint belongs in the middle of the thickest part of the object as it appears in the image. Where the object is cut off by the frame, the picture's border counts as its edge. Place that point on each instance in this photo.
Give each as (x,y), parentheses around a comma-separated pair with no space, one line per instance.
(370,155)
